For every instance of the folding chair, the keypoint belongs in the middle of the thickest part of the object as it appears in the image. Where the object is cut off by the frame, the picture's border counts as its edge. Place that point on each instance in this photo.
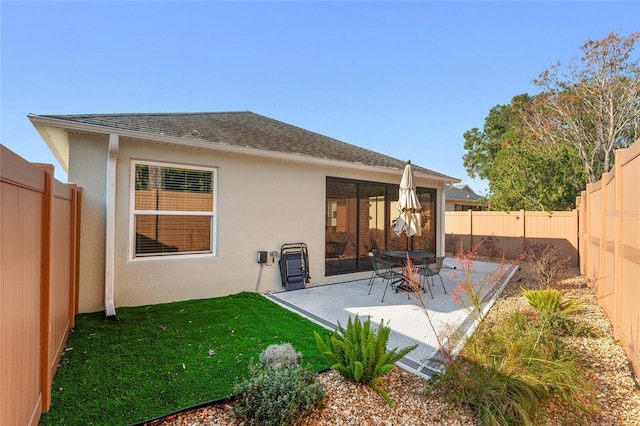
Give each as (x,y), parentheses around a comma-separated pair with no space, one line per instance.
(294,266)
(432,270)
(384,269)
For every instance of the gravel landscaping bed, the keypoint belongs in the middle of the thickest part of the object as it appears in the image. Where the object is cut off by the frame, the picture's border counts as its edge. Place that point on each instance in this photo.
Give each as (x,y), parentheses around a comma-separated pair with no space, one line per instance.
(347,403)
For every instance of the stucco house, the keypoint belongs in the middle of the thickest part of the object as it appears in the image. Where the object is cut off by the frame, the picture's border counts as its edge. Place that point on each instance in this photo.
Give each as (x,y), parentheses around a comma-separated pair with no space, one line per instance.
(176,206)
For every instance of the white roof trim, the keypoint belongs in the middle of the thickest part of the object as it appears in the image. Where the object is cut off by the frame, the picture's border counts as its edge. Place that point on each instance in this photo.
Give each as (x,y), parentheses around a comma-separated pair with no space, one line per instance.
(46,123)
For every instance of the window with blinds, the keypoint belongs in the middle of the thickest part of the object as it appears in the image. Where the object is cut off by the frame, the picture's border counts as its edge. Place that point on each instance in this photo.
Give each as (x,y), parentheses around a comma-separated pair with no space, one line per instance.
(173,210)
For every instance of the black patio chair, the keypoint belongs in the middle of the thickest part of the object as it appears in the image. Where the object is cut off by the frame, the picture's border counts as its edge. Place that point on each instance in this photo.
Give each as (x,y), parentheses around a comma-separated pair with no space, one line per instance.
(384,269)
(334,254)
(432,270)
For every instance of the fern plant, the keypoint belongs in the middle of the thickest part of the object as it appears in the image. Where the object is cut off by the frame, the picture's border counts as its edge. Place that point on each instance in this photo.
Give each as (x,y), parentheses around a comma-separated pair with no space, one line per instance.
(549,301)
(359,353)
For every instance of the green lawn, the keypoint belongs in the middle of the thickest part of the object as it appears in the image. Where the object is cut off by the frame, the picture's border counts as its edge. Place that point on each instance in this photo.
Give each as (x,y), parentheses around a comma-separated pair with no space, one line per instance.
(162,358)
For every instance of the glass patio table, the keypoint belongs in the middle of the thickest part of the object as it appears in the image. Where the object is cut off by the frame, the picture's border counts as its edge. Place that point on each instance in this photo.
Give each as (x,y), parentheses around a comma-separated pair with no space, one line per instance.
(399,257)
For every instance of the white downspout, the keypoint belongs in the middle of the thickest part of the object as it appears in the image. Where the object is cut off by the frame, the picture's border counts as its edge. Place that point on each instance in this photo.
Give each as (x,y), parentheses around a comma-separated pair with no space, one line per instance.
(109,264)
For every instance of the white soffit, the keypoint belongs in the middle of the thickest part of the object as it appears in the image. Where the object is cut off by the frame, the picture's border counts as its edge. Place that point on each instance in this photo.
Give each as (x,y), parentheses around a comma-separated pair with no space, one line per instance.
(57,140)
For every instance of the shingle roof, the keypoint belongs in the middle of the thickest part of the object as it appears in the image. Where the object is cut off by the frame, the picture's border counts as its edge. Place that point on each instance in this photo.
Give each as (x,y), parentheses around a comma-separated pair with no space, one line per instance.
(462,193)
(243,129)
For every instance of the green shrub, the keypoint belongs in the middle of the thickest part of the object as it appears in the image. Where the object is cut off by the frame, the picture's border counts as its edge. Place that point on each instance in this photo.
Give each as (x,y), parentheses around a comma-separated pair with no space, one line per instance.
(562,325)
(549,301)
(359,353)
(277,396)
(505,371)
(552,312)
(280,356)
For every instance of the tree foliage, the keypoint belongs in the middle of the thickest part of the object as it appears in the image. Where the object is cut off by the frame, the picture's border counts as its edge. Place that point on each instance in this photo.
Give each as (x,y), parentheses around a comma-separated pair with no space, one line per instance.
(527,177)
(539,152)
(483,146)
(592,106)
(522,174)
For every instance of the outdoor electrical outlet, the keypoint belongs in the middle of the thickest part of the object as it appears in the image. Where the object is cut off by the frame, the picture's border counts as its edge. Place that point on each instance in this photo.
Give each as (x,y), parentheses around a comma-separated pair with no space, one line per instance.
(262,257)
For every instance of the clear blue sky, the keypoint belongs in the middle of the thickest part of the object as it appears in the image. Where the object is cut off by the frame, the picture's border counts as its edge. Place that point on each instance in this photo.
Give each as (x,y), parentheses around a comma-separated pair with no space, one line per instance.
(405,79)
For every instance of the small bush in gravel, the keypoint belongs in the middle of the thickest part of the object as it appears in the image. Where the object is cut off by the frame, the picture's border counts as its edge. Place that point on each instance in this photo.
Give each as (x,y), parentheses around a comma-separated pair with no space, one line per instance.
(359,353)
(277,396)
(549,301)
(545,263)
(280,356)
(552,310)
(561,325)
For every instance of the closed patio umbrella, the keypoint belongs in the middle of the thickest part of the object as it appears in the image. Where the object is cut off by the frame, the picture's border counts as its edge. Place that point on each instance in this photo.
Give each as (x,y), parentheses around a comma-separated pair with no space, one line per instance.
(408,206)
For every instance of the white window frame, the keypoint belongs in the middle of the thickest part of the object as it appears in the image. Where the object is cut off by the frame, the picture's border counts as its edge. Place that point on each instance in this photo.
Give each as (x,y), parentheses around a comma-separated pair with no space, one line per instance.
(133,212)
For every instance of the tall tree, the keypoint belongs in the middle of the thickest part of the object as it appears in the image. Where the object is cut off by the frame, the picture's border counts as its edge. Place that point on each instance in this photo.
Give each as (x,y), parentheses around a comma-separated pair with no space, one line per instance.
(593,106)
(530,177)
(483,146)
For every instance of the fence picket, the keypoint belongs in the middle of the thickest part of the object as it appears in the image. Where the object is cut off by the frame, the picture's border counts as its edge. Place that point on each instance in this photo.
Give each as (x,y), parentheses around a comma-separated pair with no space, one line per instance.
(39,222)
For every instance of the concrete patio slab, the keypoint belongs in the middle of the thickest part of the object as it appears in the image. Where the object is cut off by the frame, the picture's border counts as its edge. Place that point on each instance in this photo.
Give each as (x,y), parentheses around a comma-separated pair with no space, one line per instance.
(328,304)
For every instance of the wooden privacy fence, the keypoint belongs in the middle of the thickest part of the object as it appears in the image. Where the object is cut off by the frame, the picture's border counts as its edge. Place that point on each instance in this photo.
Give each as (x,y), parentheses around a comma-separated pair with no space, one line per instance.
(509,232)
(610,246)
(39,240)
(602,236)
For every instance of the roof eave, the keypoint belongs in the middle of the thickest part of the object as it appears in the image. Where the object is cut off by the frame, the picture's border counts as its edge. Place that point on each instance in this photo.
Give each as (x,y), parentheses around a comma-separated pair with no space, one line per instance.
(56,139)
(43,124)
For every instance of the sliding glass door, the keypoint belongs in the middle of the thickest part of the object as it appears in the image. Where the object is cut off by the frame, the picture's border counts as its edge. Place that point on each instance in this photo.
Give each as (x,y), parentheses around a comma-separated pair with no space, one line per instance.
(341,230)
(359,219)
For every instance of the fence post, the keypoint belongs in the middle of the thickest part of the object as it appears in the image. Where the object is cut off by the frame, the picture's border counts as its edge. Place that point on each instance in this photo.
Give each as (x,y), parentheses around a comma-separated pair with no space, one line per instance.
(45,286)
(76,275)
(470,214)
(576,235)
(523,229)
(581,217)
(589,223)
(603,229)
(617,266)
(73,252)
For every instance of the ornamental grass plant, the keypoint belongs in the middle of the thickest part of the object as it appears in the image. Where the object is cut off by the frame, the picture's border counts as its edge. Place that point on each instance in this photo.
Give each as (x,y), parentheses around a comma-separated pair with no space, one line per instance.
(505,371)
(508,368)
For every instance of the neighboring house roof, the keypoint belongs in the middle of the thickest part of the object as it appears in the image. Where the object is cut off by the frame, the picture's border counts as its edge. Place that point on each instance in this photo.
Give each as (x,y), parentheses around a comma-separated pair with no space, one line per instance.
(462,192)
(248,131)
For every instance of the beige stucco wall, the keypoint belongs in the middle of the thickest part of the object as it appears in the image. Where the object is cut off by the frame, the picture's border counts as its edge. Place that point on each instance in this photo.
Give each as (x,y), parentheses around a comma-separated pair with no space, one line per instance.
(88,168)
(262,204)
